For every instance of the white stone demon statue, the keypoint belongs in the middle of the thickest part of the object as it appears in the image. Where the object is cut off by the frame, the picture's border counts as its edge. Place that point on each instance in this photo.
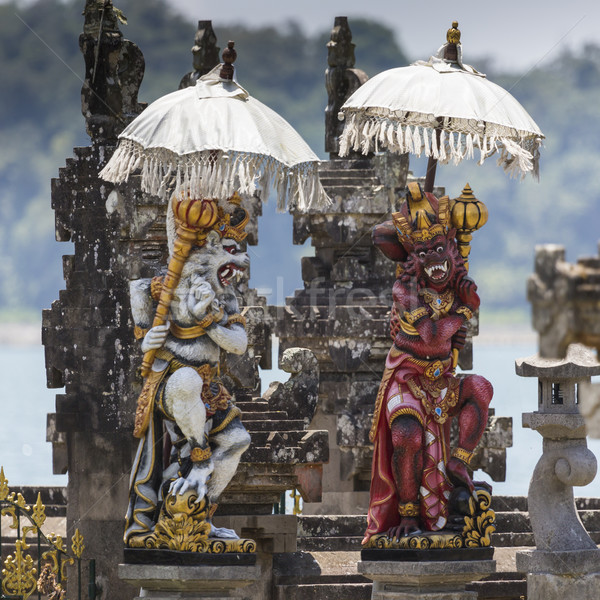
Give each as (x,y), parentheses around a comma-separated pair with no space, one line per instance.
(191,436)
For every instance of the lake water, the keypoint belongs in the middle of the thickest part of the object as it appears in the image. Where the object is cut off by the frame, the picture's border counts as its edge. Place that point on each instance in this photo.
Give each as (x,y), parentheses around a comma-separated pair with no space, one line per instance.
(27,457)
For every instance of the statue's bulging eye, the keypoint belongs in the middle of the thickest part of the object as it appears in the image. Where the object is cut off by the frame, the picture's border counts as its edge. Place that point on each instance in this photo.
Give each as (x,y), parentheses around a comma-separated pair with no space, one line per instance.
(422,254)
(230,249)
(439,249)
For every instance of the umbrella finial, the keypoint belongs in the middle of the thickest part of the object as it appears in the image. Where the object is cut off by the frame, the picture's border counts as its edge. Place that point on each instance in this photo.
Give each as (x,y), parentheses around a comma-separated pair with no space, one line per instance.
(453,39)
(229,56)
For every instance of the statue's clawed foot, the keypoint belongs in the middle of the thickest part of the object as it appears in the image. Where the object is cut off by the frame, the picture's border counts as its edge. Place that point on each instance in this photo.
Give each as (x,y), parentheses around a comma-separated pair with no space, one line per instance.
(408,526)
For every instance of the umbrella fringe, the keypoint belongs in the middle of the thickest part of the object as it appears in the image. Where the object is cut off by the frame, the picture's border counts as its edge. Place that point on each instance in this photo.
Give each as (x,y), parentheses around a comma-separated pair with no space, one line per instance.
(400,139)
(163,173)
(459,139)
(427,141)
(417,143)
(442,148)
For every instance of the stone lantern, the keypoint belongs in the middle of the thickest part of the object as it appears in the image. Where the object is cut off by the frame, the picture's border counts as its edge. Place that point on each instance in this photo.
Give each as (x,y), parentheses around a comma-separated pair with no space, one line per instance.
(566,561)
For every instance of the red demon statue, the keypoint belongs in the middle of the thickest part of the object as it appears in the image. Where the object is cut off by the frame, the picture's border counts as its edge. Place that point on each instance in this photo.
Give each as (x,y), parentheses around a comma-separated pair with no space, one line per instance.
(413,470)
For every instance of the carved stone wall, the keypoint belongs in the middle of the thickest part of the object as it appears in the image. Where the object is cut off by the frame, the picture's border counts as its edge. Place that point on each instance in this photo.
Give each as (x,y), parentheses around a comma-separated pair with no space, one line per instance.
(119,235)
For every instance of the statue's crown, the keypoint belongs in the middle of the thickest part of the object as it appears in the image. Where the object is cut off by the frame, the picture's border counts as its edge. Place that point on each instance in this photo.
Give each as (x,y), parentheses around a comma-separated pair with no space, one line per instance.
(421,217)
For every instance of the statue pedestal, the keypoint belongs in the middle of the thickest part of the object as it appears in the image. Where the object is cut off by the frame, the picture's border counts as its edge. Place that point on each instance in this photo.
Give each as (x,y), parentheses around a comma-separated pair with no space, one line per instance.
(171,582)
(425,580)
(559,575)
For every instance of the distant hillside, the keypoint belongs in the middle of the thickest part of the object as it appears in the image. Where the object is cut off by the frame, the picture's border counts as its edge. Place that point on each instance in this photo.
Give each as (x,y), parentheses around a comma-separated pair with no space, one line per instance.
(40,122)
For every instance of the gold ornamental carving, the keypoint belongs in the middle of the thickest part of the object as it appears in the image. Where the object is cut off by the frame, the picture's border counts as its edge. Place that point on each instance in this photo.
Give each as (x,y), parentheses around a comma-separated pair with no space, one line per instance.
(183,526)
(476,533)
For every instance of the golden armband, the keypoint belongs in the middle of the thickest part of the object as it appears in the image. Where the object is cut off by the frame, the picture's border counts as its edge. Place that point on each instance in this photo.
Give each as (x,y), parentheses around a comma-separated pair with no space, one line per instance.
(467,312)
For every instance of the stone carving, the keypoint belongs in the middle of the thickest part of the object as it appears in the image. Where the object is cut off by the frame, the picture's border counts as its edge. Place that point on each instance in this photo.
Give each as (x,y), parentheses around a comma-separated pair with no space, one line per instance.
(341,80)
(114,69)
(205,52)
(565,558)
(191,436)
(415,485)
(564,300)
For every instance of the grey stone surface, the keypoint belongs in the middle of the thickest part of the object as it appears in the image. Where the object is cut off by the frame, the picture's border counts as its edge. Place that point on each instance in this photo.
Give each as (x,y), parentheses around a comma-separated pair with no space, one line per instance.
(579,363)
(429,580)
(589,406)
(202,581)
(575,562)
(564,299)
(561,575)
(556,426)
(556,587)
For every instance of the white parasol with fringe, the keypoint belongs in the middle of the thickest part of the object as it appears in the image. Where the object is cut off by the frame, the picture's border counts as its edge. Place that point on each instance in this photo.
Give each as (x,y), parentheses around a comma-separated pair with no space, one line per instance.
(213,139)
(444,109)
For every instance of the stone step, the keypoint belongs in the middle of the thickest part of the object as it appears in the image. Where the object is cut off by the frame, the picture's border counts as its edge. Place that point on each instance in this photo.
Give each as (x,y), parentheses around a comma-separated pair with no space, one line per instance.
(331,525)
(335,183)
(500,586)
(509,503)
(330,543)
(339,578)
(325,173)
(345,164)
(324,591)
(587,503)
(253,406)
(344,532)
(512,540)
(279,425)
(278,415)
(286,455)
(512,522)
(345,190)
(292,438)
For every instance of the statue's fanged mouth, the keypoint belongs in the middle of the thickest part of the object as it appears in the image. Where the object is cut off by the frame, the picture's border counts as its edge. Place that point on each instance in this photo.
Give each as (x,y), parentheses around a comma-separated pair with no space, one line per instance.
(437,271)
(228,272)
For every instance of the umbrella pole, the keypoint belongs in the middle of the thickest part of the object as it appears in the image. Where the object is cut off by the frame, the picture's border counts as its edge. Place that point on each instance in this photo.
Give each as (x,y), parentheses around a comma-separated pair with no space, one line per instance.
(450,54)
(432,166)
(183,244)
(191,217)
(430,175)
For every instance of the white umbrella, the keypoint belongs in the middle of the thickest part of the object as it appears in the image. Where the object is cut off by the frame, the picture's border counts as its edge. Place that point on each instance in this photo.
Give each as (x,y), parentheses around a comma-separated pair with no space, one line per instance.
(213,139)
(444,109)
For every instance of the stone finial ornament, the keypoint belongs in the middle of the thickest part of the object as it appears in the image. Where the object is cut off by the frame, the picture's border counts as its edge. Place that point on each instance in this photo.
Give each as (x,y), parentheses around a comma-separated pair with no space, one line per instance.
(114,69)
(205,52)
(341,80)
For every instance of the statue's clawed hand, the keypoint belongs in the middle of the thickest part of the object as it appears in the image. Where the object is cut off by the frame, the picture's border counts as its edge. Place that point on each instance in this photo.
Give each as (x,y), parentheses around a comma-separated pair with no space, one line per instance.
(155,338)
(195,482)
(200,298)
(467,292)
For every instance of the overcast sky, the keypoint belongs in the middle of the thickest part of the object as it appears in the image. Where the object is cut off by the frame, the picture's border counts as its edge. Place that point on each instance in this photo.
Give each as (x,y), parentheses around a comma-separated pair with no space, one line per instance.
(516,33)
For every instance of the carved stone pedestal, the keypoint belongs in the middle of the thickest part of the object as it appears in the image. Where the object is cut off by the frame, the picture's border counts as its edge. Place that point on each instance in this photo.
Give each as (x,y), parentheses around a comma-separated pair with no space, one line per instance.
(573,574)
(566,563)
(172,582)
(425,580)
